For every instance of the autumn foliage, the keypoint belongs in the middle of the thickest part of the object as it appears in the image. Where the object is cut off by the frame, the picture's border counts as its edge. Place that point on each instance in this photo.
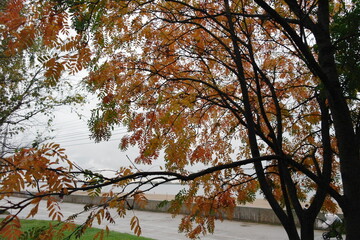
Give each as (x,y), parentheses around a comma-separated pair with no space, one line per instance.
(218,83)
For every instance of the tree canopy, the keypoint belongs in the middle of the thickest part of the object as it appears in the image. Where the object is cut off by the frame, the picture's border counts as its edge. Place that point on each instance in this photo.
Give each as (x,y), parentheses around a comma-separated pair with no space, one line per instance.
(27,88)
(222,83)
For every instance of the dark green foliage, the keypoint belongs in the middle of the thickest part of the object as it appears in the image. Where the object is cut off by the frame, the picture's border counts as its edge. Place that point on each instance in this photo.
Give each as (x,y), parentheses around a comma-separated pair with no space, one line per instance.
(345,31)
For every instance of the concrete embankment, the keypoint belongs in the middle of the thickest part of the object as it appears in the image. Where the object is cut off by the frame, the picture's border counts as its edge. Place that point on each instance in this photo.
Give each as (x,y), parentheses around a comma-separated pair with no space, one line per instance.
(258,212)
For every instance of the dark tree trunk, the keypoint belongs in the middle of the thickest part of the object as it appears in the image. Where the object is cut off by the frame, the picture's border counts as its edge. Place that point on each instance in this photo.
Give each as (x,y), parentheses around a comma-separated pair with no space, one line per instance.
(325,68)
(344,128)
(347,142)
(352,219)
(307,229)
(291,230)
(349,160)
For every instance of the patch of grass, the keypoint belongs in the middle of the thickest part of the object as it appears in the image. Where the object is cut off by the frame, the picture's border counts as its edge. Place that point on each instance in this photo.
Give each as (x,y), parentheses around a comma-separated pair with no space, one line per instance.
(28,225)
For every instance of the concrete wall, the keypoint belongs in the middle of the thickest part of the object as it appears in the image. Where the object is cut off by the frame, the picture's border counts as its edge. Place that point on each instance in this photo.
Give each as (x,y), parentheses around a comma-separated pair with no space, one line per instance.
(243,213)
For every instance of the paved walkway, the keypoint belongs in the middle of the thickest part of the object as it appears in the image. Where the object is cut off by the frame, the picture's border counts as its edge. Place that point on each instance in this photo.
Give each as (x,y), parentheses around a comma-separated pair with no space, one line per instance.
(162,226)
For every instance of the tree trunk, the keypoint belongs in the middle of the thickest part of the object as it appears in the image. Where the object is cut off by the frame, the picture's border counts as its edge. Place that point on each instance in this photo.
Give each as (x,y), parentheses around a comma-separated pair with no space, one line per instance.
(348,148)
(352,218)
(325,69)
(291,230)
(307,229)
(344,129)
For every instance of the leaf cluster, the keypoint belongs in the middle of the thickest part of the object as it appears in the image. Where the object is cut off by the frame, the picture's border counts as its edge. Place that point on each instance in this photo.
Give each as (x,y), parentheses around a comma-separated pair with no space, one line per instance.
(345,30)
(29,78)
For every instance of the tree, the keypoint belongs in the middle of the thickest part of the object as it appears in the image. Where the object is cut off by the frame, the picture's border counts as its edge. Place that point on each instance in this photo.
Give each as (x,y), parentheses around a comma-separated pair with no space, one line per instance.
(345,31)
(27,90)
(222,83)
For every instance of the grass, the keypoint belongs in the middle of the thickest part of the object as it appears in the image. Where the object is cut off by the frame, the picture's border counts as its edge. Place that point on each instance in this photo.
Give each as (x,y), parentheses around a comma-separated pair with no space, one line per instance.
(27,225)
